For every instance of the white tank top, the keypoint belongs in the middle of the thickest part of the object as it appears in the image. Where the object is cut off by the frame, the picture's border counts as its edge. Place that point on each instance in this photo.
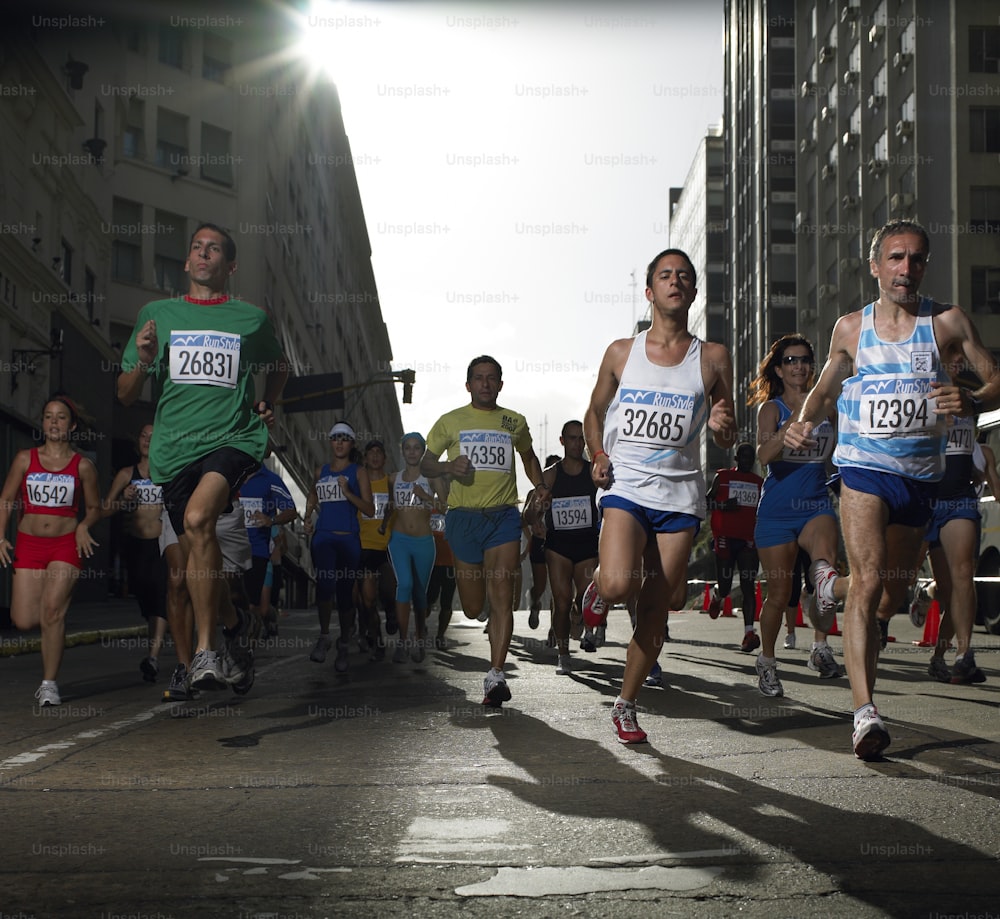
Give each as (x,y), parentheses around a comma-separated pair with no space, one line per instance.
(652,432)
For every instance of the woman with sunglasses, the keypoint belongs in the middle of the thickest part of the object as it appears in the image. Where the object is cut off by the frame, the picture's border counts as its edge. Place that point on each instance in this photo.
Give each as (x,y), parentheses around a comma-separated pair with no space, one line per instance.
(795,510)
(341,490)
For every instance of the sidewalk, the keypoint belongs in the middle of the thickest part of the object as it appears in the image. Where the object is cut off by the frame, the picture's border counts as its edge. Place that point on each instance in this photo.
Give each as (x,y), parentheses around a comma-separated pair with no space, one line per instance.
(86,624)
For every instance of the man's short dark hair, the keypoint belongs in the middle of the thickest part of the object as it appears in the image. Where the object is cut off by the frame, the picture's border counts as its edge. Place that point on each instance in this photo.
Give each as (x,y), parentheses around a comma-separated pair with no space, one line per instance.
(567,424)
(894,228)
(228,243)
(483,359)
(651,270)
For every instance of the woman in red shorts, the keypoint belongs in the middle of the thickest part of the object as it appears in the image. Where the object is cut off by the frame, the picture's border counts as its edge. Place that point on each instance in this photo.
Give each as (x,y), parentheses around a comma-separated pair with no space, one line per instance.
(48,485)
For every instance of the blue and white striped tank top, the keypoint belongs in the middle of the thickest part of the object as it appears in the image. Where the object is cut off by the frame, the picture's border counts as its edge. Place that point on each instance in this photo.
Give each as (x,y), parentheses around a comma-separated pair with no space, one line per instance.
(887,420)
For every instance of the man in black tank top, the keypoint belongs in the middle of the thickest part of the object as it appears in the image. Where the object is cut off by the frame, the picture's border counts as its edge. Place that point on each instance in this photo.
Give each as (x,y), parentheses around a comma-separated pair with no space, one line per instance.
(570,513)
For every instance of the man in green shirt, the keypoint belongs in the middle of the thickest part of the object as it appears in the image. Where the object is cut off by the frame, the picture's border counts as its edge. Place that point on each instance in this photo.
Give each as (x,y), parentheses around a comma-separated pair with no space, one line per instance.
(210,432)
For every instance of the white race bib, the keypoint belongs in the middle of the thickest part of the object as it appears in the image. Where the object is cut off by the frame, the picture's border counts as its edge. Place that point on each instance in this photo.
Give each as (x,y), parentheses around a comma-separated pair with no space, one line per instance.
(251,506)
(656,418)
(489,451)
(572,513)
(437,523)
(205,357)
(50,489)
(747,494)
(961,439)
(824,436)
(896,406)
(146,493)
(380,499)
(328,490)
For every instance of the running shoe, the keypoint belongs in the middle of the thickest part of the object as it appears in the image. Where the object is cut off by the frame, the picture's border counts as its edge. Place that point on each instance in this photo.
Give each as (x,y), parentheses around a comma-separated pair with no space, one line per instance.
(822,607)
(587,642)
(417,651)
(565,665)
(48,694)
(364,645)
(483,616)
(399,655)
(751,642)
(495,689)
(625,724)
(790,641)
(595,610)
(600,635)
(870,736)
(939,670)
(533,617)
(271,623)
(178,689)
(821,660)
(340,662)
(966,671)
(206,671)
(440,643)
(767,679)
(378,651)
(714,604)
(149,668)
(318,653)
(655,677)
(391,623)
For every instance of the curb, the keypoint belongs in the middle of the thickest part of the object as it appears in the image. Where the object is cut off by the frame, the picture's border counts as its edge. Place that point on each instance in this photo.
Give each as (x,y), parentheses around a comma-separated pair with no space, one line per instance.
(33,645)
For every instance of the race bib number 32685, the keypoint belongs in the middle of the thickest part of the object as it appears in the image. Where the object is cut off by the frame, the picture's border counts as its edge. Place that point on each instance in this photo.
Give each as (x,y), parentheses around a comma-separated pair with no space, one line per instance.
(656,418)
(205,357)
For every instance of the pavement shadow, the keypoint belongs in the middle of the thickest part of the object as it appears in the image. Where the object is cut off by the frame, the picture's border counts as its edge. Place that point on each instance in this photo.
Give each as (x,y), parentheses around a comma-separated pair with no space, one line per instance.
(692,808)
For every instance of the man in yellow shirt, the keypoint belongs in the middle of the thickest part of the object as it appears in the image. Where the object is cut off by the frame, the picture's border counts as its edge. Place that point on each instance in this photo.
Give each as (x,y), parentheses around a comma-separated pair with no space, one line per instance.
(483,524)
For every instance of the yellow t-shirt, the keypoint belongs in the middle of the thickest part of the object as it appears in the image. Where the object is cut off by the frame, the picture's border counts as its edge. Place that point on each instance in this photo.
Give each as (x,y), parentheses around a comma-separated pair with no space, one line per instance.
(491,440)
(370,536)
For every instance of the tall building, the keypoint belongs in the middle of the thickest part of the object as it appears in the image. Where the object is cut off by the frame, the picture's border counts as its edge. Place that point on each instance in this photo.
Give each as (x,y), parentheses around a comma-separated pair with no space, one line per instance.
(121,136)
(699,226)
(840,117)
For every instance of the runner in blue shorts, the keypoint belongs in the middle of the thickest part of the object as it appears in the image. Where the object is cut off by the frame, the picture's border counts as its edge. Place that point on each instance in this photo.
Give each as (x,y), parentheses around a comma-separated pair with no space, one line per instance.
(889,377)
(483,524)
(795,511)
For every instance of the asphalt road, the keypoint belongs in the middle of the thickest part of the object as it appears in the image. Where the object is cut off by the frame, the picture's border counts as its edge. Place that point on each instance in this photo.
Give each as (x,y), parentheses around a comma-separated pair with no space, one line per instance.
(390,791)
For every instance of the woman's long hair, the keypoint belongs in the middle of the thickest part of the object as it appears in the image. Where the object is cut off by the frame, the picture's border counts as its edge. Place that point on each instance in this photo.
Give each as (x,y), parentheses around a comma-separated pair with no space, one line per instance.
(767,384)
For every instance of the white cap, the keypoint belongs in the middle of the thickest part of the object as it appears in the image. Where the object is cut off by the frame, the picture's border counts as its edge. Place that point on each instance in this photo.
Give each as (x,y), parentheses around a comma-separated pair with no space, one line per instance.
(342,427)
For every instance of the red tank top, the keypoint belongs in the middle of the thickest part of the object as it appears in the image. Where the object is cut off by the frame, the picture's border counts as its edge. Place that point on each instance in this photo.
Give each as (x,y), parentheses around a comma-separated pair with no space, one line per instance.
(745,488)
(54,493)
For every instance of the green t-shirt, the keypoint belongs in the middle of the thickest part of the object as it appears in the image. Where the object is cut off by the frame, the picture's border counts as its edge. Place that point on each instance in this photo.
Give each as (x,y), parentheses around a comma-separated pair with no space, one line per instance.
(491,440)
(209,354)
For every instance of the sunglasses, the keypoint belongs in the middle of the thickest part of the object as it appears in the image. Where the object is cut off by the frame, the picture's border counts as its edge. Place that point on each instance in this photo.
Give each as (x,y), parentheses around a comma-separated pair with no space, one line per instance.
(797,359)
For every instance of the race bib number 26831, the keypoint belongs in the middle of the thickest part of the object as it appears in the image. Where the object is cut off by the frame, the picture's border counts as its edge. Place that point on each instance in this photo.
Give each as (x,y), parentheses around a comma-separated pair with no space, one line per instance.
(204,357)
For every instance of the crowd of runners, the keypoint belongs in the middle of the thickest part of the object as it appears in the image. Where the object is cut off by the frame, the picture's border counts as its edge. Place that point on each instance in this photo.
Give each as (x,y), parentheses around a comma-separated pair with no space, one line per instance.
(886,429)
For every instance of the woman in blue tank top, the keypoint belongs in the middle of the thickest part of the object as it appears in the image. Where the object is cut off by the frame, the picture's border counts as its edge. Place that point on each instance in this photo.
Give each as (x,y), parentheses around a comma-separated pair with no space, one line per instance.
(341,490)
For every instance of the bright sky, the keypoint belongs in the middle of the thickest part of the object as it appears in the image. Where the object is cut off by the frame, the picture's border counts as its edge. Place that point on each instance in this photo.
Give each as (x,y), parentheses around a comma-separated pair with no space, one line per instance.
(514,165)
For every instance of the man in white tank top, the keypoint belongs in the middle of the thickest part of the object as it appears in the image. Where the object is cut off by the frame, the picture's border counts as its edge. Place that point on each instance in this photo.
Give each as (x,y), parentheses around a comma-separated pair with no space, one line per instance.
(654,395)
(886,490)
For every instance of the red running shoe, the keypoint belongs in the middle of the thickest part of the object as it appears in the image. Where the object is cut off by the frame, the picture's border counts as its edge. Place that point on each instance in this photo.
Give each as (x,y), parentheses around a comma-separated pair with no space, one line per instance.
(595,609)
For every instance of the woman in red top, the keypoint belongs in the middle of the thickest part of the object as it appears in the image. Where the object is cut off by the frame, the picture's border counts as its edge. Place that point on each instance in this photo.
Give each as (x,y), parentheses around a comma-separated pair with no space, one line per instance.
(48,484)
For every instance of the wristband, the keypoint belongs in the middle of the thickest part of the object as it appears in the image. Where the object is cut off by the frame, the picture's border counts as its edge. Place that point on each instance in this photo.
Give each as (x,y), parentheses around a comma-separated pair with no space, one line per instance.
(597,454)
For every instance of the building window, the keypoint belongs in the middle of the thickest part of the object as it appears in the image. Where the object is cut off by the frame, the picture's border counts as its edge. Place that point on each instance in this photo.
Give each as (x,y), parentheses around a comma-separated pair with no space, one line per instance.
(171,50)
(984,130)
(171,140)
(984,208)
(66,263)
(133,134)
(89,292)
(217,58)
(986,290)
(126,250)
(984,49)
(170,253)
(216,159)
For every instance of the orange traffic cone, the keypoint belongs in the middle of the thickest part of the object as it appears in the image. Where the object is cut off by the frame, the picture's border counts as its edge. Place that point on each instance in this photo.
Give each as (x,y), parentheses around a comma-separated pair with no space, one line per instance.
(800,620)
(834,630)
(708,597)
(759,601)
(931,626)
(727,607)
